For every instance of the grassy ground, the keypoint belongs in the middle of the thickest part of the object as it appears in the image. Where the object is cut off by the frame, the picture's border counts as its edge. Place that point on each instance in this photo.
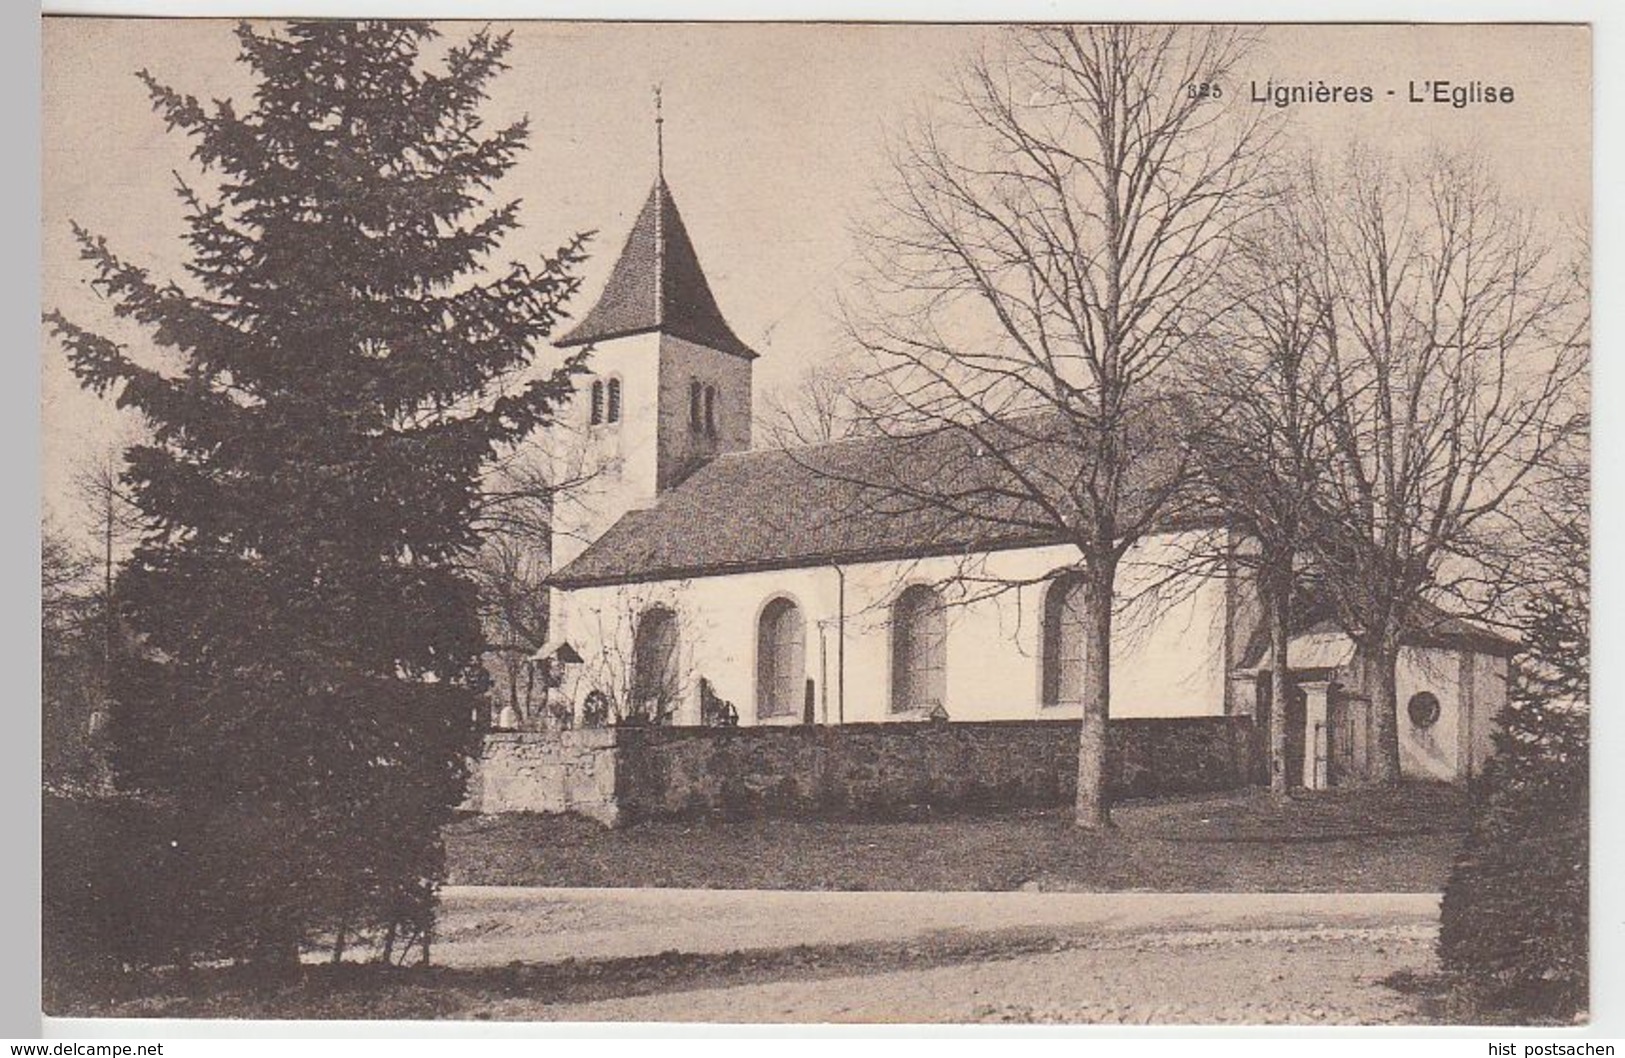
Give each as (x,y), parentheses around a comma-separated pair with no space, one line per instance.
(1393,840)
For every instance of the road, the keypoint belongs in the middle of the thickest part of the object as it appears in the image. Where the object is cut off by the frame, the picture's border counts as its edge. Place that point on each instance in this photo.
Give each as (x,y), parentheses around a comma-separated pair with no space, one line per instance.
(764,956)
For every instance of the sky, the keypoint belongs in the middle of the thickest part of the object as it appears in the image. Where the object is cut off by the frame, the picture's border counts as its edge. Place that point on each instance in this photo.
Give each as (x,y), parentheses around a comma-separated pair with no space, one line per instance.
(775,140)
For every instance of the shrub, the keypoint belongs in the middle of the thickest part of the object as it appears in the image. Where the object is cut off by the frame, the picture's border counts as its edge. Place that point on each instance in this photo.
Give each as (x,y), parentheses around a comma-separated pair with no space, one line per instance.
(1514,918)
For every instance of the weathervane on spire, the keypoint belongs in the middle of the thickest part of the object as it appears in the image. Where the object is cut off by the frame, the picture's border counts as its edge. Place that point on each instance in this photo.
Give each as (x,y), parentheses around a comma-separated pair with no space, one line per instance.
(660,139)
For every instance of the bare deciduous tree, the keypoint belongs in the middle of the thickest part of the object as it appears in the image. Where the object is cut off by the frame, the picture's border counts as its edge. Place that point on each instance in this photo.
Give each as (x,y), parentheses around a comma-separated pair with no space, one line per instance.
(521,498)
(510,571)
(1452,377)
(1542,546)
(822,403)
(72,664)
(1049,246)
(109,508)
(1263,439)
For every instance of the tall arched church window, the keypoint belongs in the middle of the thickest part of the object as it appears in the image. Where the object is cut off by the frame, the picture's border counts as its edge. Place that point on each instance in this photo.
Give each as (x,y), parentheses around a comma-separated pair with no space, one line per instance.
(919,659)
(711,411)
(612,412)
(597,401)
(1063,650)
(654,663)
(781,659)
(696,396)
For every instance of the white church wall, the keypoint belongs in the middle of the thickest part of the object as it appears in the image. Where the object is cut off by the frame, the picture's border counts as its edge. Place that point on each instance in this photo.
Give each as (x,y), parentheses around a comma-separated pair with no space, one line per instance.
(1169,640)
(727,612)
(717,626)
(1491,686)
(1168,657)
(1431,752)
(1471,688)
(613,463)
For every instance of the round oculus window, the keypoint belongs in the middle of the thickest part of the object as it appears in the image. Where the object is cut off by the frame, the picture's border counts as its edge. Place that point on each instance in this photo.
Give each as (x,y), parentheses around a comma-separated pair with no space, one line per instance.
(1424,708)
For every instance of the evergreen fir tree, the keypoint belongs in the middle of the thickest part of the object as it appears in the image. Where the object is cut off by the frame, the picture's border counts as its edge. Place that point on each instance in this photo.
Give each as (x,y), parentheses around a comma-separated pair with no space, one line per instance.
(307,679)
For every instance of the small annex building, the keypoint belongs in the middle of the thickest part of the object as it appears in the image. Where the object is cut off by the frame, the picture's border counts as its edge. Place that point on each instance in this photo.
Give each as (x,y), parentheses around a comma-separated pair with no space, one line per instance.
(1452,680)
(700,580)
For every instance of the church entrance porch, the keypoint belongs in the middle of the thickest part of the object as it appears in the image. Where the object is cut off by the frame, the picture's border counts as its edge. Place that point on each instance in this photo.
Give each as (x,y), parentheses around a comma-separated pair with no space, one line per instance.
(1337,735)
(1351,738)
(1329,731)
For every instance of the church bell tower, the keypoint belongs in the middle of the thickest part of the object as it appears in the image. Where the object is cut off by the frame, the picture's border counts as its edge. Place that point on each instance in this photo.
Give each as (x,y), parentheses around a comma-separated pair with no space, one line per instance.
(670,382)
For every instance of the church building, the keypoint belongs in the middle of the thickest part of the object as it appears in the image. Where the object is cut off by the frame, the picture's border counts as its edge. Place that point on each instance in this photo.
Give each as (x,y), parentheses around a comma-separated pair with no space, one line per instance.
(701,580)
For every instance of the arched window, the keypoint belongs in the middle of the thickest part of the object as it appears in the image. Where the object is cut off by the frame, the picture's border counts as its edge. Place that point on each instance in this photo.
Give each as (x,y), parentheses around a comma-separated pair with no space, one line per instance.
(613,411)
(919,650)
(781,659)
(1063,649)
(597,401)
(710,411)
(654,662)
(696,395)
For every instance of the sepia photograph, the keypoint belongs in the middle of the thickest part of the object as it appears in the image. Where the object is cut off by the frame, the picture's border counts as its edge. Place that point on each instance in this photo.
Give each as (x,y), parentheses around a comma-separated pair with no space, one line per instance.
(816,523)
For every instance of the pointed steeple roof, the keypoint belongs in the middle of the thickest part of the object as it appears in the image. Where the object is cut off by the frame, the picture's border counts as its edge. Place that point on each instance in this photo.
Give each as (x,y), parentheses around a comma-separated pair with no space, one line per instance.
(658,285)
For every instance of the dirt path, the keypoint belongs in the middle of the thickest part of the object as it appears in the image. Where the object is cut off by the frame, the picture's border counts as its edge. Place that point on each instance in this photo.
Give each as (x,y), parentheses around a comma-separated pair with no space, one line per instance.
(1132,958)
(766,956)
(1330,977)
(482,926)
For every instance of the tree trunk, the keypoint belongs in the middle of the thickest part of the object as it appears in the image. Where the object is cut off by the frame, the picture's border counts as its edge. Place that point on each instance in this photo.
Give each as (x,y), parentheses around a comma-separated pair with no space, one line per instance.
(1382,684)
(1278,607)
(386,954)
(1093,804)
(110,613)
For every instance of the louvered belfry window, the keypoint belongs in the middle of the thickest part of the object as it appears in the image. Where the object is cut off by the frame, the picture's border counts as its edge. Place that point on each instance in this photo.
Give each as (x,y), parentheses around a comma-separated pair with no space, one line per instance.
(597,402)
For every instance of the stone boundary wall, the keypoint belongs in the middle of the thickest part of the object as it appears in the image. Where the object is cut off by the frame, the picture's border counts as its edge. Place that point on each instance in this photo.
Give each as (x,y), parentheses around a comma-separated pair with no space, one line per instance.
(555,771)
(878,771)
(869,771)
